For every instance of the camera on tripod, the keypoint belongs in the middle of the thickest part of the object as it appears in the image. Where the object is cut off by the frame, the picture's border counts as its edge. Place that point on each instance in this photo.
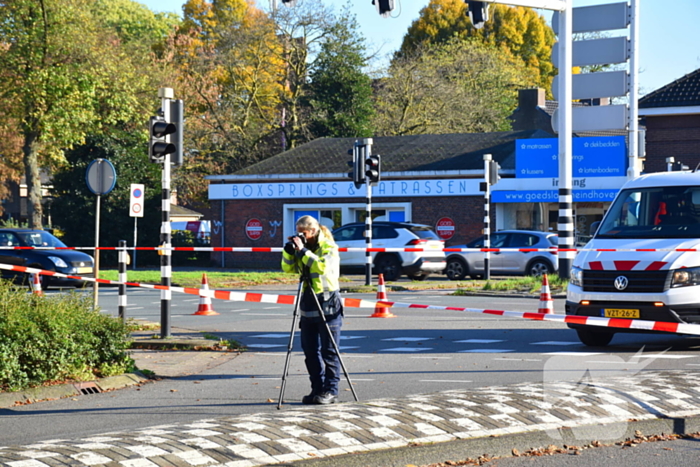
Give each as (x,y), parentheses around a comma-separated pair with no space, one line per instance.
(302,237)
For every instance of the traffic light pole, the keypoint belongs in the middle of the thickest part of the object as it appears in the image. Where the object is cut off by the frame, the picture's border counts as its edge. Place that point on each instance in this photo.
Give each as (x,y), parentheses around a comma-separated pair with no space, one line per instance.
(166,94)
(365,150)
(487,217)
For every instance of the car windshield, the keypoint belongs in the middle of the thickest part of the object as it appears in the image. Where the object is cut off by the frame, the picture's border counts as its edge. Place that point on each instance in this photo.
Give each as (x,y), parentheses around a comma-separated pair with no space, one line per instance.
(658,212)
(39,238)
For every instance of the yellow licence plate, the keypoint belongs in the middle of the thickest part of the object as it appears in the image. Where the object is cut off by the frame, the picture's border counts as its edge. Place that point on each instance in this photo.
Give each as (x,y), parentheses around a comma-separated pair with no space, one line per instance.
(620,313)
(84,270)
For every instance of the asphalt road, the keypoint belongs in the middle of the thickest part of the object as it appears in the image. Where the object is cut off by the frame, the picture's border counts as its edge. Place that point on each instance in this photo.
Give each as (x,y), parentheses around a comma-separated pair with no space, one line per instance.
(419,351)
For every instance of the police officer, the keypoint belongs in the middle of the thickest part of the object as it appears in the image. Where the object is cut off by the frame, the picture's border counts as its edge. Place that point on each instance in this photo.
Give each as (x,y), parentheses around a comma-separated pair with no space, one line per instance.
(314,254)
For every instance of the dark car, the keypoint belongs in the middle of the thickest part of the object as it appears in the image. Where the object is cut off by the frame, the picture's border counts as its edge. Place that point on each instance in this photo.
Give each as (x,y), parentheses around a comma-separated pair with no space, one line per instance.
(71,262)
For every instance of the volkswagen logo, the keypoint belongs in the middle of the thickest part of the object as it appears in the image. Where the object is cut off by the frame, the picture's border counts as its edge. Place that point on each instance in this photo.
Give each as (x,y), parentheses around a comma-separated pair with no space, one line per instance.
(621,282)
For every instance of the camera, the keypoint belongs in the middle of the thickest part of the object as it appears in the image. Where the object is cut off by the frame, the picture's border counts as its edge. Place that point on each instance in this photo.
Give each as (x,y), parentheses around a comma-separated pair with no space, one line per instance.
(302,237)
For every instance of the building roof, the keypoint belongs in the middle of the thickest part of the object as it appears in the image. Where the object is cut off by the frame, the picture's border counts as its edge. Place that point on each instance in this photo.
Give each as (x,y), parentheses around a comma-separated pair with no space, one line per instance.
(181,211)
(458,151)
(683,92)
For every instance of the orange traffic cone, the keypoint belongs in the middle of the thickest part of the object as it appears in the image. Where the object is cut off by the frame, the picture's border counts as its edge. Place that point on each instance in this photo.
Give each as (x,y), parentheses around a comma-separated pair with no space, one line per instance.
(36,285)
(546,302)
(382,311)
(205,300)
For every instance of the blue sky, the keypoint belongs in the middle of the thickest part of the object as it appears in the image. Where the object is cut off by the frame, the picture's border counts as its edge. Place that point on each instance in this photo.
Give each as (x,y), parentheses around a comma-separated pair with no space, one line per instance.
(669,42)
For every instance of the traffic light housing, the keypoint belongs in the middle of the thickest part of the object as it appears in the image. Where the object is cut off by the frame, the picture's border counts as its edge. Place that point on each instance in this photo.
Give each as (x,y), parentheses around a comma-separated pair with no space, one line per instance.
(158,147)
(357,173)
(678,166)
(478,13)
(494,176)
(384,7)
(177,111)
(374,169)
(166,137)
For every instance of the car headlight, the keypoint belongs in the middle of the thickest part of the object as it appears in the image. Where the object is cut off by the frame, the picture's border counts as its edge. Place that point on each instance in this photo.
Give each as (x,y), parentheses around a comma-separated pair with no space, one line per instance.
(58,262)
(685,277)
(576,276)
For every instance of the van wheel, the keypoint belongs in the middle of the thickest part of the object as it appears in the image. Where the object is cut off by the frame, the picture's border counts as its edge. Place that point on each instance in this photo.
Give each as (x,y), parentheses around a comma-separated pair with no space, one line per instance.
(456,269)
(389,266)
(593,338)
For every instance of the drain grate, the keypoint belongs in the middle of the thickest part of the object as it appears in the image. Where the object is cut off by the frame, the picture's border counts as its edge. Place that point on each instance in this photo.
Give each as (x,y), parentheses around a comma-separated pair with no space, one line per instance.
(87,388)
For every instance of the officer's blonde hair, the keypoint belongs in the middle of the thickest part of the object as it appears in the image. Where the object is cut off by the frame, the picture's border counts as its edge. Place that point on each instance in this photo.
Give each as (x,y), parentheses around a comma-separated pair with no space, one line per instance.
(310,223)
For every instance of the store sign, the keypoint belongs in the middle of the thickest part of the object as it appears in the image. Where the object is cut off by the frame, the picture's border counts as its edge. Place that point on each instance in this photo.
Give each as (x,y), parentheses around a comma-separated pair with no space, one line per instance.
(551,196)
(304,190)
(595,156)
(254,229)
(445,228)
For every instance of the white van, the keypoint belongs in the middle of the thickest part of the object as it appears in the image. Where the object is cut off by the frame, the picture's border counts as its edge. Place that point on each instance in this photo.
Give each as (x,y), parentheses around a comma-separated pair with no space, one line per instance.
(660,214)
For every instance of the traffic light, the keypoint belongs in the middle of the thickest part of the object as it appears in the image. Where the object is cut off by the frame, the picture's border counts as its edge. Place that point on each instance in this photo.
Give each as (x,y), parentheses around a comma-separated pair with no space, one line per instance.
(158,147)
(384,7)
(478,13)
(374,169)
(494,177)
(177,110)
(356,174)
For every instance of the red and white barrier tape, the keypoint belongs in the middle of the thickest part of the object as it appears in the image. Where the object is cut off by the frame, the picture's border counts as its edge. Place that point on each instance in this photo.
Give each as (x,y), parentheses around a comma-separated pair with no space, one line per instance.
(680,328)
(343,249)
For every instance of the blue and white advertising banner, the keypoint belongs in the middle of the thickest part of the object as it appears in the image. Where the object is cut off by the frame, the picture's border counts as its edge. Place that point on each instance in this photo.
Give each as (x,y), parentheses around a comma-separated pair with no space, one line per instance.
(595,156)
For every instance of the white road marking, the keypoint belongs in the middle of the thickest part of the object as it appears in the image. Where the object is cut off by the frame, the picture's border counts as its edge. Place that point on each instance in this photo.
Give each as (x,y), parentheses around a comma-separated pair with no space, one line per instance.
(478,341)
(407,339)
(556,343)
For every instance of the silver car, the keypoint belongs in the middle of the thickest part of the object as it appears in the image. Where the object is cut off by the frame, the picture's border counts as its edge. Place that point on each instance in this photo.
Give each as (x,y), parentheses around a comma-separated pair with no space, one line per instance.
(523,263)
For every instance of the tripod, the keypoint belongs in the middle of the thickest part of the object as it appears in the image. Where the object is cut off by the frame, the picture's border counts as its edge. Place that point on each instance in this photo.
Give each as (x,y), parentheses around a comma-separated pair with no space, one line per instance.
(305,280)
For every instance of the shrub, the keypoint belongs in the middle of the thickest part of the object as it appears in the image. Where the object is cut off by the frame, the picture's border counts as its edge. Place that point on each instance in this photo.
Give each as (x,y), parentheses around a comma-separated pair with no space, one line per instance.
(57,337)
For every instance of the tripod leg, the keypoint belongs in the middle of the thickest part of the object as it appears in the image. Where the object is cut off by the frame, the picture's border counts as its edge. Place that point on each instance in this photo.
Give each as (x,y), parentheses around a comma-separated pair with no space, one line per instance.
(289,347)
(335,347)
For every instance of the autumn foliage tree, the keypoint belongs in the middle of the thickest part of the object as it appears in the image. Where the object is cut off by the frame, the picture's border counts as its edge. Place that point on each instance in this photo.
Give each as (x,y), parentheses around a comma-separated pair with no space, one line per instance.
(461,86)
(516,31)
(63,76)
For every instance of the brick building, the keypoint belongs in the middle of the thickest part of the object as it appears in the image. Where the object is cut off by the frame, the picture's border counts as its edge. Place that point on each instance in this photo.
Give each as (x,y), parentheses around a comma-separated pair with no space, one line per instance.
(672,116)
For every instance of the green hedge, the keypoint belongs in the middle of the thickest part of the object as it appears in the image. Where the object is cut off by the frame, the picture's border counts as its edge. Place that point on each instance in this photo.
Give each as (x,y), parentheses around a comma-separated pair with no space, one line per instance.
(57,337)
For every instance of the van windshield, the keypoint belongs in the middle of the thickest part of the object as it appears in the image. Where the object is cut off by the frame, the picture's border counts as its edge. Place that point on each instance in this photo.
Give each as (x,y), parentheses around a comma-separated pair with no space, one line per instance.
(659,212)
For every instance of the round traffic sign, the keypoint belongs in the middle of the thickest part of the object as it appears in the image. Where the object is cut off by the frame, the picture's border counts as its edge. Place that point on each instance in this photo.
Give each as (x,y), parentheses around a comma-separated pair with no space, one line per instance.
(101,176)
(445,228)
(254,229)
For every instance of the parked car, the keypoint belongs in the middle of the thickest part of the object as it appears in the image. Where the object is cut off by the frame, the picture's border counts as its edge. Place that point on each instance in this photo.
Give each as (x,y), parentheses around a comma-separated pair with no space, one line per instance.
(416,265)
(535,263)
(69,262)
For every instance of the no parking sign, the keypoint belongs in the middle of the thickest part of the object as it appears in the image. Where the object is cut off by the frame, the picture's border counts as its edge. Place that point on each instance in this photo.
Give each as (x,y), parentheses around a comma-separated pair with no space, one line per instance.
(136,202)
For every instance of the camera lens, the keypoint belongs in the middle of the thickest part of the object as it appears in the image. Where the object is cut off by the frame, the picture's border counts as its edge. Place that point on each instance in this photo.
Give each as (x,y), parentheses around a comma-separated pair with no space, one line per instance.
(302,237)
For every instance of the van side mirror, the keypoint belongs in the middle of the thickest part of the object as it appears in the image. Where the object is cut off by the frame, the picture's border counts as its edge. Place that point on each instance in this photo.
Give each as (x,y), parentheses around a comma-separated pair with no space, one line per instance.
(594,227)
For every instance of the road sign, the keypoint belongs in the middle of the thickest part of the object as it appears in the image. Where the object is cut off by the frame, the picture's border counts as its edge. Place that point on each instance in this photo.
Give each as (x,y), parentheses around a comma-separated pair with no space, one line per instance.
(596,52)
(596,118)
(101,176)
(596,18)
(136,201)
(445,228)
(254,229)
(594,85)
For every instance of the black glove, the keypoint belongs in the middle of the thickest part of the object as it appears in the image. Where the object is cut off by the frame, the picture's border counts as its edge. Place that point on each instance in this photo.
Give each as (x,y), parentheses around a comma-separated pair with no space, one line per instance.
(289,248)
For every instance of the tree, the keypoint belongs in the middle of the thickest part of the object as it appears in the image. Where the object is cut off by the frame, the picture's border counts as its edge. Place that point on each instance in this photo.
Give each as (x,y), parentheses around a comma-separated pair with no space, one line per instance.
(340,93)
(75,205)
(461,86)
(519,31)
(63,77)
